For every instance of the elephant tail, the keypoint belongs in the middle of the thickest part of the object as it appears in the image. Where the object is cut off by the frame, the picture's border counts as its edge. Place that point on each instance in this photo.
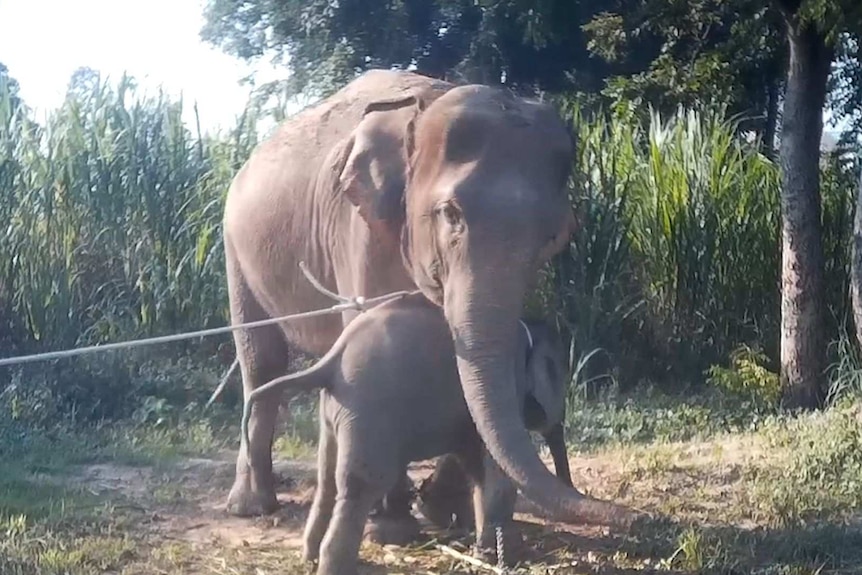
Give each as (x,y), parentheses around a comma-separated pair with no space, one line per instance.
(317,376)
(223,382)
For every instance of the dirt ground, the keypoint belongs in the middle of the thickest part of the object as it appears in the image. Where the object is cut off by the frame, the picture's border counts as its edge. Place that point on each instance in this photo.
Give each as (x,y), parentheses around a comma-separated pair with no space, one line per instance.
(167,517)
(184,504)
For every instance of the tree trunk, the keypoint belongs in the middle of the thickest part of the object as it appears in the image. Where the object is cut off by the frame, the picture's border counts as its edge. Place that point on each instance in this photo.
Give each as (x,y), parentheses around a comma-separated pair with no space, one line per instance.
(856,266)
(803,347)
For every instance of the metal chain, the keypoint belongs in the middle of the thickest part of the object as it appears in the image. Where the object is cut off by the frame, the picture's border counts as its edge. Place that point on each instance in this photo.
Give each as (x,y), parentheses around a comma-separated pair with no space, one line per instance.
(501,563)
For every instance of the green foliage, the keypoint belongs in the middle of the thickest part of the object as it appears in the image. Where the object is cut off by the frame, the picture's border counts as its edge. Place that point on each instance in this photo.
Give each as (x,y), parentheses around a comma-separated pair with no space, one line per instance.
(839,176)
(748,378)
(112,216)
(691,53)
(705,224)
(517,42)
(648,415)
(665,54)
(675,261)
(845,371)
(113,212)
(821,478)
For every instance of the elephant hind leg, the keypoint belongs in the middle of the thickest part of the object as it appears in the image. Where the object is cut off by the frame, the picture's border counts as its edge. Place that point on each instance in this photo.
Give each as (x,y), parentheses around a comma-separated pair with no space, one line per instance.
(320,515)
(339,551)
(263,355)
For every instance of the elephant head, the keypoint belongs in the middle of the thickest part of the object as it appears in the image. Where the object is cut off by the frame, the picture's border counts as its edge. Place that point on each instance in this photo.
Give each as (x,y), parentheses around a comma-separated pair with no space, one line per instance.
(472,184)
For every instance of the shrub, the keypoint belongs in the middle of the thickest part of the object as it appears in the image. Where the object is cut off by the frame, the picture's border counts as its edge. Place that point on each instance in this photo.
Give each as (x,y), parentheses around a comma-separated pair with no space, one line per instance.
(748,378)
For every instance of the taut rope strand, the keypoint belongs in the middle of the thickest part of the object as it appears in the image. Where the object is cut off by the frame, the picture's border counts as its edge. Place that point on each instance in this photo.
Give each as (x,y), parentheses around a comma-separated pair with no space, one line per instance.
(358,303)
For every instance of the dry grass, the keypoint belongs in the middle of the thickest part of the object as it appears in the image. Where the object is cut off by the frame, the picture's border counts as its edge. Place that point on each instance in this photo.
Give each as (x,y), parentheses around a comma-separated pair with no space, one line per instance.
(109,517)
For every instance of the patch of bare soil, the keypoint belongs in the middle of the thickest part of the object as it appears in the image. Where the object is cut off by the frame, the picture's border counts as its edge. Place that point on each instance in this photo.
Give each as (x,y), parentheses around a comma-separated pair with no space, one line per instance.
(185,503)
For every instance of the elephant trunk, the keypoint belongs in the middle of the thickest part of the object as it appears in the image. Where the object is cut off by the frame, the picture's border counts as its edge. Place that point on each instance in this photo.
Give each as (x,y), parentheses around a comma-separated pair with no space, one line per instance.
(483,316)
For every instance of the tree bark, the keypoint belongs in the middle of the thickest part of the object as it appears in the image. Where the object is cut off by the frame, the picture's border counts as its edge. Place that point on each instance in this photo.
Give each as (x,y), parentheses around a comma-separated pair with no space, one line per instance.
(803,347)
(856,266)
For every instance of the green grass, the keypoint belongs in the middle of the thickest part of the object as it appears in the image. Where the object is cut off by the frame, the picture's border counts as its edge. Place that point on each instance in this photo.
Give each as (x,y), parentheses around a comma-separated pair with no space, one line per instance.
(820,474)
(649,416)
(777,497)
(48,526)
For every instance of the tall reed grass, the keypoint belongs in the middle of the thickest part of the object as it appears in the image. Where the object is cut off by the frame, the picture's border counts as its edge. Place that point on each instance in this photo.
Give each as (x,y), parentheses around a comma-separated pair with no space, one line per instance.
(676,261)
(111,228)
(111,214)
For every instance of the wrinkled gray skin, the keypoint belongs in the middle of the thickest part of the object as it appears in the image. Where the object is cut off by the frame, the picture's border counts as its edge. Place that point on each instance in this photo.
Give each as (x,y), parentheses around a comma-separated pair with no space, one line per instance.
(399,181)
(444,498)
(392,395)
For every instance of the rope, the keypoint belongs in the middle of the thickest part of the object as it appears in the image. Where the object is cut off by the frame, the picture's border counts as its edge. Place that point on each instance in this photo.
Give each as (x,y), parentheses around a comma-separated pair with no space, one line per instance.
(358,303)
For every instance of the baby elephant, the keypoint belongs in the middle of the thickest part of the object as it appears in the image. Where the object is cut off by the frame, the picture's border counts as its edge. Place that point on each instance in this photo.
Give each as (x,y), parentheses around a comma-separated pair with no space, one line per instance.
(391,394)
(444,497)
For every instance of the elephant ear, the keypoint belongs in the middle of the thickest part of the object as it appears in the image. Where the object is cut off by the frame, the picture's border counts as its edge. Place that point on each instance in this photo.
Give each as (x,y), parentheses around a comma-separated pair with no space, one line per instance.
(546,373)
(375,162)
(561,237)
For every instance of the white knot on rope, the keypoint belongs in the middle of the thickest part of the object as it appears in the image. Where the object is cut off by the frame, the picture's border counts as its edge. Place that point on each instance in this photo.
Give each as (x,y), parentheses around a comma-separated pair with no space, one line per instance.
(359,302)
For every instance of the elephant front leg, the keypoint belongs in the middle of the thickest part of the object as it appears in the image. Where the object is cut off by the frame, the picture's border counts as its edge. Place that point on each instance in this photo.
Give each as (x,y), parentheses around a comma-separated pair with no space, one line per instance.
(263,354)
(494,499)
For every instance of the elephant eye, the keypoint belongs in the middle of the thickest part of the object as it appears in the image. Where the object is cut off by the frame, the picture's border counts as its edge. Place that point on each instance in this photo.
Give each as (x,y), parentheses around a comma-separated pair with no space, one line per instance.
(452,214)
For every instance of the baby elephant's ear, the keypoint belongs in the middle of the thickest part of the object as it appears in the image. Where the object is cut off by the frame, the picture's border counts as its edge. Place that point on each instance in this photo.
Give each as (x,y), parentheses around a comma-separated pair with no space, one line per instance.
(547,374)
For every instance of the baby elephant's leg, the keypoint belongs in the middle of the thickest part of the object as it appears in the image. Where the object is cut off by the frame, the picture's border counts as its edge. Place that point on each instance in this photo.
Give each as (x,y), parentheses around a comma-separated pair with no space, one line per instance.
(357,494)
(324,498)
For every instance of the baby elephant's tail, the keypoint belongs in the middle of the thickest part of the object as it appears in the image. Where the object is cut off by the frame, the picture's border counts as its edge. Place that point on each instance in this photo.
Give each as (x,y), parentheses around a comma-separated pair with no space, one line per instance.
(317,376)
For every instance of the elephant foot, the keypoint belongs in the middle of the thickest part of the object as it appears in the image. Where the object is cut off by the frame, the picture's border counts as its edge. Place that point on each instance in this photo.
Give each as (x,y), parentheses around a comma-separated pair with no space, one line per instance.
(244,500)
(513,547)
(399,531)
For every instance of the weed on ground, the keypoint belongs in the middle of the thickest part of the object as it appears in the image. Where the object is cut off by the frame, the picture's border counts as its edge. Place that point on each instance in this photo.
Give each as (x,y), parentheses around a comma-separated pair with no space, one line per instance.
(772,495)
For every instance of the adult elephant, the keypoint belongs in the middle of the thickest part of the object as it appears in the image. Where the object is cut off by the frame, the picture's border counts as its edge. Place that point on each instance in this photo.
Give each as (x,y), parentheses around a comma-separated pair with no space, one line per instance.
(397,181)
